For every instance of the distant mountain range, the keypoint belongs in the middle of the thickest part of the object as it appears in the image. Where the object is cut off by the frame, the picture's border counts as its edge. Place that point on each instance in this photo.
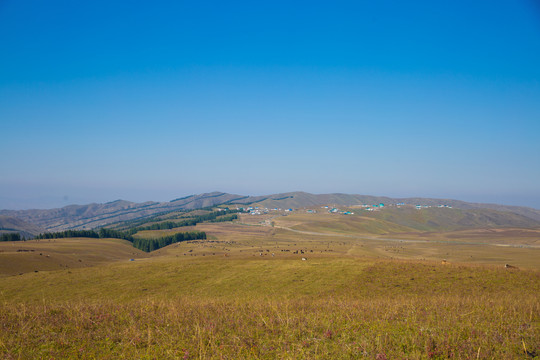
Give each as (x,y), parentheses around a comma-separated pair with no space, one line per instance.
(97,215)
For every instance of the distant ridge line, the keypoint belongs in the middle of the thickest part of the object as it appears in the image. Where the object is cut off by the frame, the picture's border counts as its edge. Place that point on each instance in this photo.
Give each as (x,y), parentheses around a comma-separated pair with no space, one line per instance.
(94,215)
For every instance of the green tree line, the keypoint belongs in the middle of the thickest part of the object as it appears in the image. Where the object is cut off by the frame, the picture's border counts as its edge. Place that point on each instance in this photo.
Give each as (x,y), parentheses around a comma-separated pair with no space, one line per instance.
(68,234)
(139,243)
(154,244)
(215,216)
(11,237)
(224,218)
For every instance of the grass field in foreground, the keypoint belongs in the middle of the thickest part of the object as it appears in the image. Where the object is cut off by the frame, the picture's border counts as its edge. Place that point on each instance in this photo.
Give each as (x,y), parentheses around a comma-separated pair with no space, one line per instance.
(168,307)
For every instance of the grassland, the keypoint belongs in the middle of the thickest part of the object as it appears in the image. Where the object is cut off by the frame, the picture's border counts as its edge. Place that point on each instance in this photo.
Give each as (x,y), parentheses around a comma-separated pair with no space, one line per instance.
(245,293)
(59,254)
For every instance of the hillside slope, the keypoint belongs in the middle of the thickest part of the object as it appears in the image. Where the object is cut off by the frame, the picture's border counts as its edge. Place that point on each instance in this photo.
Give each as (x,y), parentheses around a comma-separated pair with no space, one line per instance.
(13,224)
(445,219)
(63,254)
(302,199)
(407,219)
(96,215)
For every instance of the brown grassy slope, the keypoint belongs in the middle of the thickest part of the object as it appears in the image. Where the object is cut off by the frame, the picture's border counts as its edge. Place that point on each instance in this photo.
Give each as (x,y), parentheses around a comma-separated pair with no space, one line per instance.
(447,219)
(472,247)
(46,255)
(404,219)
(343,224)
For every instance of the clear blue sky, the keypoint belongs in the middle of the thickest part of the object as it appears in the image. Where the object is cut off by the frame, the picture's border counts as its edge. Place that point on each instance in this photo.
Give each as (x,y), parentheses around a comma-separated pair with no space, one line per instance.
(101,100)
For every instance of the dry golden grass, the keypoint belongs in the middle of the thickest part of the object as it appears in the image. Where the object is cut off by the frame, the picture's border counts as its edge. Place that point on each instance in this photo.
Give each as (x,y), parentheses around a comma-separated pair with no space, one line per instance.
(54,254)
(245,293)
(270,308)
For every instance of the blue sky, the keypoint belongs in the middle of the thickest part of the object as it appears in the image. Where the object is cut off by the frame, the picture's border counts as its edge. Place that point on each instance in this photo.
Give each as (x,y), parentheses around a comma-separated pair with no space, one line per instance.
(151,101)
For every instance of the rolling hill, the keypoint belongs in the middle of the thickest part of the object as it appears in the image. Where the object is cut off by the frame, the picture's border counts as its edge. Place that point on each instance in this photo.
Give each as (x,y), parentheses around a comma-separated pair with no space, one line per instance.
(96,215)
(445,219)
(405,219)
(302,199)
(14,224)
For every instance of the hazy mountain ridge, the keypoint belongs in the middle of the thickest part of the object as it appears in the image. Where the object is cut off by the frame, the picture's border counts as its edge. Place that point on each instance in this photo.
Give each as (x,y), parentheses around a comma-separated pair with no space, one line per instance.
(14,224)
(96,215)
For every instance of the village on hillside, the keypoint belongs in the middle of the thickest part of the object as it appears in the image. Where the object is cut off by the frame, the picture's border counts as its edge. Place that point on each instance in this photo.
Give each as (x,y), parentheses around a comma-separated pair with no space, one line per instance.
(259,210)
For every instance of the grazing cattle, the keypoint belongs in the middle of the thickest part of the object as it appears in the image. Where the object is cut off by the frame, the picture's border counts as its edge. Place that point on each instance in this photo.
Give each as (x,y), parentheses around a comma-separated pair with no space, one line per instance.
(304,259)
(508,266)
